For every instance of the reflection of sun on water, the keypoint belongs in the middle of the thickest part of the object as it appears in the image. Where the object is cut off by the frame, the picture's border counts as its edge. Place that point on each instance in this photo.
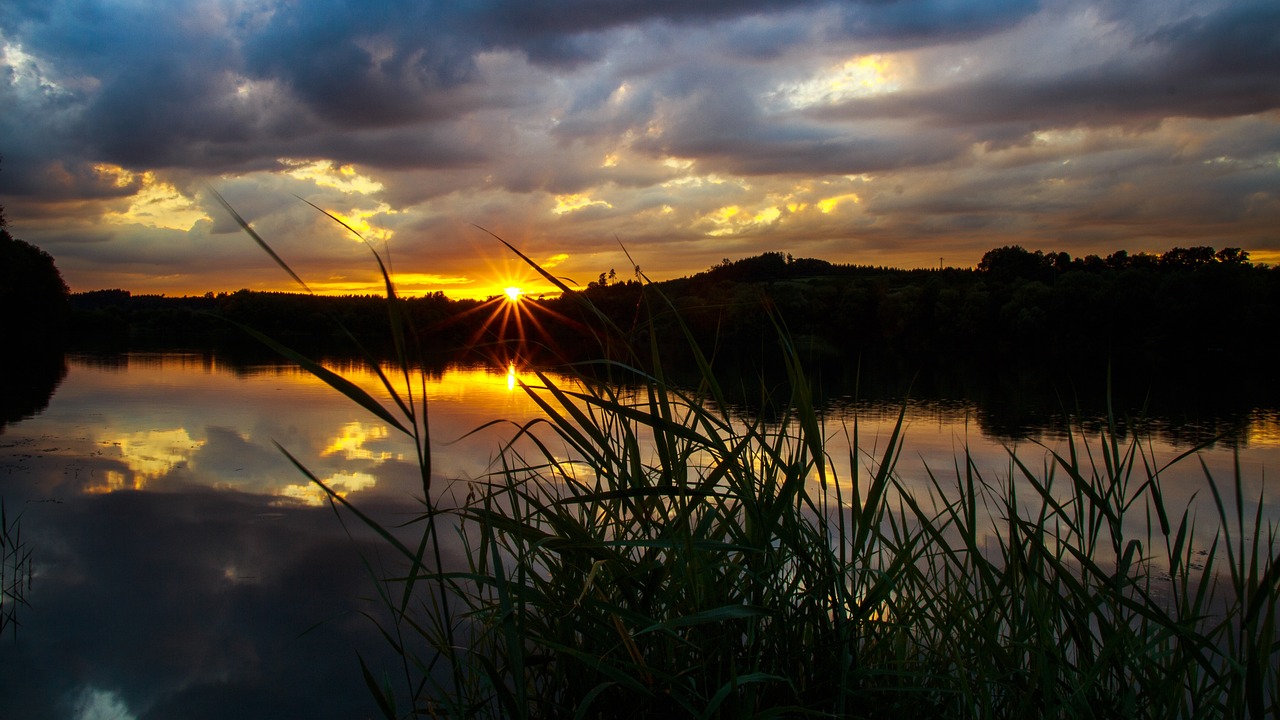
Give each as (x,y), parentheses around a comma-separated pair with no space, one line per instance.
(1264,430)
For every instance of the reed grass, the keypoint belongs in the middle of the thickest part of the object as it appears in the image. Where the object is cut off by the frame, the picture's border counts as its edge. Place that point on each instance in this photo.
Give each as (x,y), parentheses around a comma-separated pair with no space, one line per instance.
(640,551)
(16,570)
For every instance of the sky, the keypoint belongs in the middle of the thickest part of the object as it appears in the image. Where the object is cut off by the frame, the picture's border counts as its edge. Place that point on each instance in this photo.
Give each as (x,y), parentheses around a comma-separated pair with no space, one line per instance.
(609,134)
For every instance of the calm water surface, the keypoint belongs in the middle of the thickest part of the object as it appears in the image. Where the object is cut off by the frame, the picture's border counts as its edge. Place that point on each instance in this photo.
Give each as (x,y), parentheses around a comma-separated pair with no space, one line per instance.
(183,568)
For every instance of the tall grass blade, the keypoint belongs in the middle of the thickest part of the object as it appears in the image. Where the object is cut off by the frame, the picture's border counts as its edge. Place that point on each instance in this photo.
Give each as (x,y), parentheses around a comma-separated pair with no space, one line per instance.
(244,225)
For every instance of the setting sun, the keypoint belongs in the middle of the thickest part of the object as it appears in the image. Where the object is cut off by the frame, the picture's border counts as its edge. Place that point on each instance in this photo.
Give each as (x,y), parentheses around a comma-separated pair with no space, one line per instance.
(513,293)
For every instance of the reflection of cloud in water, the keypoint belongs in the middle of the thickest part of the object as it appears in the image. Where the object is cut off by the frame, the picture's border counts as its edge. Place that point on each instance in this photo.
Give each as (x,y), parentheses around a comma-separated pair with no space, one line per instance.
(95,704)
(113,481)
(230,459)
(148,454)
(342,483)
(352,441)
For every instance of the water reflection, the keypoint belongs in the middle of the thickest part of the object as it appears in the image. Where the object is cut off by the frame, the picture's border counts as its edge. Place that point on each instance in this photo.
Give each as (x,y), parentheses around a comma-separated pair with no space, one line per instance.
(181,558)
(27,382)
(147,455)
(166,422)
(342,483)
(1263,429)
(172,422)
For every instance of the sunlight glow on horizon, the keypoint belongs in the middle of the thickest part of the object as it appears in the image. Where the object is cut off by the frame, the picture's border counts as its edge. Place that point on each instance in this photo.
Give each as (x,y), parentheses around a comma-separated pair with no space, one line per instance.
(413,286)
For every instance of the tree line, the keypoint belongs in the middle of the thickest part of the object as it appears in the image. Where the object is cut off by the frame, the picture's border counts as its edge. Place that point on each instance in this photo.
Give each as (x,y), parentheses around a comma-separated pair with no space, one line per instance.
(1198,316)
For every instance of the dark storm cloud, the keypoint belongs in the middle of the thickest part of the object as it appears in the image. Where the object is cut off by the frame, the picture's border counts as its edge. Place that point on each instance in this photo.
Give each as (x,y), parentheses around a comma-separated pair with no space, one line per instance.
(172,85)
(42,154)
(895,21)
(1223,65)
(1096,98)
(762,149)
(1241,40)
(515,19)
(156,112)
(727,130)
(136,87)
(399,148)
(359,64)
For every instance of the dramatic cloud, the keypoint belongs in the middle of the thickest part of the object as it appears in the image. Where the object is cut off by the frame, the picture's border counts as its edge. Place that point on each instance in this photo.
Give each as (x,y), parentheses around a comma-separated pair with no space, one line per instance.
(865,131)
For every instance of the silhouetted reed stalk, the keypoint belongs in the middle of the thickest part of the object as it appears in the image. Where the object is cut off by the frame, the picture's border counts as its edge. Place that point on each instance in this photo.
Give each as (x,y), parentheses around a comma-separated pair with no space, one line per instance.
(643,553)
(16,571)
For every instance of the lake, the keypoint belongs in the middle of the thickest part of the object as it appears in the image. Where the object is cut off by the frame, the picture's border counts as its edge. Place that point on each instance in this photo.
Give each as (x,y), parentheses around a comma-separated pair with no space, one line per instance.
(181,567)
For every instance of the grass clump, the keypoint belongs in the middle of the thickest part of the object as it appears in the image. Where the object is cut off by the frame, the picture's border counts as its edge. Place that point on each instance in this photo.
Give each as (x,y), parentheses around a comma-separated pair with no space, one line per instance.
(641,551)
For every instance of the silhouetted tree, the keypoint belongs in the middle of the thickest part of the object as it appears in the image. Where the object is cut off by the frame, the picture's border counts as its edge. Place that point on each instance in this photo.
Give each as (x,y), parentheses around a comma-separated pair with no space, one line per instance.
(1232,255)
(1188,257)
(1013,261)
(33,297)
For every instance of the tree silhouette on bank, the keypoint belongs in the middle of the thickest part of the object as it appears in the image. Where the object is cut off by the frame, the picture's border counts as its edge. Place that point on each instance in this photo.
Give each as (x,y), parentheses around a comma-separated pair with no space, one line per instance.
(34,307)
(34,300)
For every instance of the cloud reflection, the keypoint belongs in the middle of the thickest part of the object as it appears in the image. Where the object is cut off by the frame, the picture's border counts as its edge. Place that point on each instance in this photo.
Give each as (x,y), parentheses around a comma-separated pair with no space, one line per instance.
(171,424)
(147,455)
(352,442)
(342,483)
